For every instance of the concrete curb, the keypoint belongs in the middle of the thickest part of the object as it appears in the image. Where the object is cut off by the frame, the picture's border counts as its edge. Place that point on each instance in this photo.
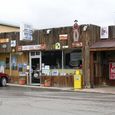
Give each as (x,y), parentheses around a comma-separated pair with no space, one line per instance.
(105,90)
(41,87)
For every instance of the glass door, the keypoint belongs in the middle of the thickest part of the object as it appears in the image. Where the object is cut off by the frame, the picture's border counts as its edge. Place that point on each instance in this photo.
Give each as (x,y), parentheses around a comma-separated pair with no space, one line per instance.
(35,68)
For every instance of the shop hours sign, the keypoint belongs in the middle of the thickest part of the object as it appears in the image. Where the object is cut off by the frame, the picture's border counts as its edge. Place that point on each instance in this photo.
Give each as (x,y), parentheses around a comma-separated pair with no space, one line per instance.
(26,32)
(112,70)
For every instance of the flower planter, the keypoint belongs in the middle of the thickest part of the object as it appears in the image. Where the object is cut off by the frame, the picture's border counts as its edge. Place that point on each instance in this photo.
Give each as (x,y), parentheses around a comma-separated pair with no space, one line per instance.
(47,83)
(22,81)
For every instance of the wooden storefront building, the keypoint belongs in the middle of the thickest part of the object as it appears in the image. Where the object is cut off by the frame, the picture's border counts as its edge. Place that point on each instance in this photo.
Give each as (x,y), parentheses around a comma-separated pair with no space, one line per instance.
(102,54)
(51,55)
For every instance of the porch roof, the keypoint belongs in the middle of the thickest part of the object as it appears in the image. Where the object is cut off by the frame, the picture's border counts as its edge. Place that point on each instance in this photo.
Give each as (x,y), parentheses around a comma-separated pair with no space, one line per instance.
(103,45)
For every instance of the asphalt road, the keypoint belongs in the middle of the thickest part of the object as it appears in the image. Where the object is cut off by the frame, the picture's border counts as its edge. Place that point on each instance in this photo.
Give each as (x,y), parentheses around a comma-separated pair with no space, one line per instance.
(27,101)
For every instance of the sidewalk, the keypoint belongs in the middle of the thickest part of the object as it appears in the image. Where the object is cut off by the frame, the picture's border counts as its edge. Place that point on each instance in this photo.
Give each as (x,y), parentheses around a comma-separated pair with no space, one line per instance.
(106,90)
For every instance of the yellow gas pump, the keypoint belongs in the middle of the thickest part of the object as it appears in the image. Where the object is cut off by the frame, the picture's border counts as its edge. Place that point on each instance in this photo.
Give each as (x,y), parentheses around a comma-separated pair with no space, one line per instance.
(77,80)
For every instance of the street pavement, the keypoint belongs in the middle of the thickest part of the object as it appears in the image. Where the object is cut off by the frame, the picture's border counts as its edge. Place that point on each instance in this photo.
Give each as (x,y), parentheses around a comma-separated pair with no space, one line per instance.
(18,100)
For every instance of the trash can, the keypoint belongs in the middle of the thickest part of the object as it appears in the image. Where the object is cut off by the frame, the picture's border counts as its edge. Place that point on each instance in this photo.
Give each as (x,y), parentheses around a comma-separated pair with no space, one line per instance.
(77,80)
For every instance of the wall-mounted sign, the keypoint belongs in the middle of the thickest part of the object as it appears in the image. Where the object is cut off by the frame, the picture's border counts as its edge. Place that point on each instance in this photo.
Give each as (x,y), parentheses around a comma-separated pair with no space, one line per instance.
(63,37)
(104,32)
(77,44)
(13,43)
(22,74)
(26,32)
(65,47)
(55,72)
(31,47)
(112,70)
(57,45)
(75,31)
(4,40)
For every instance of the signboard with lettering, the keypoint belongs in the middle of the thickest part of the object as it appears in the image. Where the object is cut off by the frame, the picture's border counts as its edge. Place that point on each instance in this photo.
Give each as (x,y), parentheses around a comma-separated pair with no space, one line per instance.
(26,32)
(77,44)
(63,37)
(31,47)
(4,40)
(112,70)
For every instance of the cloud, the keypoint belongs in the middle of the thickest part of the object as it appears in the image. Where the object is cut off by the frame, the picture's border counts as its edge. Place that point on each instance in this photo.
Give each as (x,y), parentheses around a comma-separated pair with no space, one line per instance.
(55,13)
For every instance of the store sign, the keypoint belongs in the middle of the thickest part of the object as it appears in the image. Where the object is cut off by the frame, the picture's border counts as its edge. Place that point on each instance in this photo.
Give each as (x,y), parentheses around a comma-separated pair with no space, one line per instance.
(77,44)
(4,40)
(26,32)
(31,47)
(63,37)
(112,70)
(104,33)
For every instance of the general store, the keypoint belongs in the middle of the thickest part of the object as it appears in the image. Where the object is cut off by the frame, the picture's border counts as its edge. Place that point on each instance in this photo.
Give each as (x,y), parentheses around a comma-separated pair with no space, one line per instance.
(53,55)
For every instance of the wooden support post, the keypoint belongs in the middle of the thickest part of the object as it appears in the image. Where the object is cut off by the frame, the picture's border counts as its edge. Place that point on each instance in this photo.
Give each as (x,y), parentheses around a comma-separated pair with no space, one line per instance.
(92,69)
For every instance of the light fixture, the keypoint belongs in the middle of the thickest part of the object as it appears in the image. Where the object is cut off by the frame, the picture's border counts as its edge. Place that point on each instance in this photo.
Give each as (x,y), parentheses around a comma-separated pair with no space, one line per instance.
(85,28)
(48,31)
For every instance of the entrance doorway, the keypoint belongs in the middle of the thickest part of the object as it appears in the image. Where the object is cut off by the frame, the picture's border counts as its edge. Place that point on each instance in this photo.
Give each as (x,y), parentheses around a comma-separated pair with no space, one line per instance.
(35,65)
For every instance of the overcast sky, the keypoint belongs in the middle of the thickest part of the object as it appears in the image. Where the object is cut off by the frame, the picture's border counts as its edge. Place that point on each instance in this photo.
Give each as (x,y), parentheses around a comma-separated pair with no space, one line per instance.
(56,13)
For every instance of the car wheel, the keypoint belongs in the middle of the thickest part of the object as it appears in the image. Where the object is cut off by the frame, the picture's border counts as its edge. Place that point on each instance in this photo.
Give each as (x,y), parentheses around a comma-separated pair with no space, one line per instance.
(3,82)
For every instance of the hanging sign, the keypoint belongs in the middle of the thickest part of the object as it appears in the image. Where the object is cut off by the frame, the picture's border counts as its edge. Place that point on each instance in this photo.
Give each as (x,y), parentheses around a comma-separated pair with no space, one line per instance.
(112,70)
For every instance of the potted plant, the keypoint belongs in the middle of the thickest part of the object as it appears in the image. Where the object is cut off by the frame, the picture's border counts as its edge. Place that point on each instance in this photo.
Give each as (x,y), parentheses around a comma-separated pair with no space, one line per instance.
(22,80)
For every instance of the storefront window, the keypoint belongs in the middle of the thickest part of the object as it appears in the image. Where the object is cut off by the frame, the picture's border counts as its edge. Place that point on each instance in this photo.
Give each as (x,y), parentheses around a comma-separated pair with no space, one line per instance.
(52,59)
(72,59)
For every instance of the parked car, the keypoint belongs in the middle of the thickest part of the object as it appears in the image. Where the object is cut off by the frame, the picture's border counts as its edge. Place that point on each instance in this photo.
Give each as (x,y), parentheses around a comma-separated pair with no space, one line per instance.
(4,79)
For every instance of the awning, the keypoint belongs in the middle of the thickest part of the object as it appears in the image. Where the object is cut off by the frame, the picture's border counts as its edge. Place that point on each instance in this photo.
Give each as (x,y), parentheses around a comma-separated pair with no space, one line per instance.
(103,45)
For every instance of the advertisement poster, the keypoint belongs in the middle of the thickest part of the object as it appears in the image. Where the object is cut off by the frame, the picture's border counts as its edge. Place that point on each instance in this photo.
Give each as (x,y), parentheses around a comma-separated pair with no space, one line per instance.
(14,62)
(112,70)
(104,32)
(26,32)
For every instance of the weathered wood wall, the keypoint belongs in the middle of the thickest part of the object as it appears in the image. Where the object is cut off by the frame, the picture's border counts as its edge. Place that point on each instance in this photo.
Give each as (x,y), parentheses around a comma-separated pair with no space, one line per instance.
(10,36)
(90,36)
(111,32)
(87,37)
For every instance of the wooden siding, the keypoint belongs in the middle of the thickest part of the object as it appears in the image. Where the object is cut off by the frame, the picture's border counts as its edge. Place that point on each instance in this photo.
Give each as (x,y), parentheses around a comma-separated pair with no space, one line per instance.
(10,36)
